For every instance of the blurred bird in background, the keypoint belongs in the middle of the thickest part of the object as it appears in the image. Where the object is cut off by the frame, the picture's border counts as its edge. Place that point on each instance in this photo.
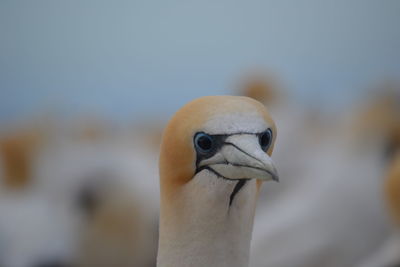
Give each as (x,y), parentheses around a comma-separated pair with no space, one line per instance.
(388,253)
(332,172)
(77,200)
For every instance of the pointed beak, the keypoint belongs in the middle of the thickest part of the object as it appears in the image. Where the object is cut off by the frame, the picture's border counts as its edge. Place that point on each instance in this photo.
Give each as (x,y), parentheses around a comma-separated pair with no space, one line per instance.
(241,157)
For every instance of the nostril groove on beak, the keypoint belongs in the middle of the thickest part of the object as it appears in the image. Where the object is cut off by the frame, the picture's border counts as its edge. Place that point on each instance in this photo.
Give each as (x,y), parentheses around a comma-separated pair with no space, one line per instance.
(244,152)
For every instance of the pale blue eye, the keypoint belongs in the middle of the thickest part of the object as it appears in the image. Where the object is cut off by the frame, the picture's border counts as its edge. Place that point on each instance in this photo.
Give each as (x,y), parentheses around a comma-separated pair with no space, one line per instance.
(203,142)
(265,139)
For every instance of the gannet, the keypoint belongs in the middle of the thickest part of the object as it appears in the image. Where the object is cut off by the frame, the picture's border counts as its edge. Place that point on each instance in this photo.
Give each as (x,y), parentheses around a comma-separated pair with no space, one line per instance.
(215,153)
(263,88)
(388,253)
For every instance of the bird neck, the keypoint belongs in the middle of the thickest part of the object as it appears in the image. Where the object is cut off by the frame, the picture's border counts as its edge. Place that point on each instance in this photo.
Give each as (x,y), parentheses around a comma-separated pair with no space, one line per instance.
(200,227)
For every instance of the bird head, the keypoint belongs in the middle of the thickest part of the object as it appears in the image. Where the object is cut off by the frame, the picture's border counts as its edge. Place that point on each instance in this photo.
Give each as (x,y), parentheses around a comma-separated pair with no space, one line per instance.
(231,137)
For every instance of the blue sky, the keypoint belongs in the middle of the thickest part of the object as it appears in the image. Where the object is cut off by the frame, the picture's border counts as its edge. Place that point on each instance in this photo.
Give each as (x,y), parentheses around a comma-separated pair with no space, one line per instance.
(123,59)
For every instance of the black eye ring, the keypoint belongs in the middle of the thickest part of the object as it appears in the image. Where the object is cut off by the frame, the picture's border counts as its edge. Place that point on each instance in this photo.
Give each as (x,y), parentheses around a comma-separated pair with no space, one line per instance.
(203,142)
(265,139)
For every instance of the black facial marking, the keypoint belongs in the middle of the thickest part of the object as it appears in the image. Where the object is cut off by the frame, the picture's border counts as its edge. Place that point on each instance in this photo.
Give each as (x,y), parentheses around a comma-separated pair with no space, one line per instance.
(209,145)
(217,143)
(240,182)
(236,190)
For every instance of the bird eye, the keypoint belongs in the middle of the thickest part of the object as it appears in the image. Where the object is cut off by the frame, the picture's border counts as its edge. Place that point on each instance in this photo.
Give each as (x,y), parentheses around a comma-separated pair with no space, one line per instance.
(265,139)
(203,142)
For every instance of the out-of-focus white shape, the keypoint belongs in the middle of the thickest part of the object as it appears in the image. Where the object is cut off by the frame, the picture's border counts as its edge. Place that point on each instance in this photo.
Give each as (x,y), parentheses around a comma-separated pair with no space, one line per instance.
(386,255)
(34,231)
(44,221)
(328,209)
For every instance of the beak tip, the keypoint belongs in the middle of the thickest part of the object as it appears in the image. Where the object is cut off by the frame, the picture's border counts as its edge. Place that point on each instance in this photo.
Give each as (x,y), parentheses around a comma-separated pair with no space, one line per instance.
(275,177)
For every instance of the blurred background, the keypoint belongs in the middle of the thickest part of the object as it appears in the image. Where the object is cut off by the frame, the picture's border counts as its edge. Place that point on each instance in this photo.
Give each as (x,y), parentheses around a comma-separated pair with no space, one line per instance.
(86,88)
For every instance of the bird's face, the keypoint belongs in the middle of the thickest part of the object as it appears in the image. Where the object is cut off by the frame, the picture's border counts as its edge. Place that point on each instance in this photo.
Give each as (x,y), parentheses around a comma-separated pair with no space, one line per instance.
(231,137)
(214,154)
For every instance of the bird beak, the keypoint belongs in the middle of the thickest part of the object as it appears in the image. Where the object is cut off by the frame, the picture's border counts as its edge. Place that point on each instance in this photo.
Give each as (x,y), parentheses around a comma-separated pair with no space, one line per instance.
(241,157)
